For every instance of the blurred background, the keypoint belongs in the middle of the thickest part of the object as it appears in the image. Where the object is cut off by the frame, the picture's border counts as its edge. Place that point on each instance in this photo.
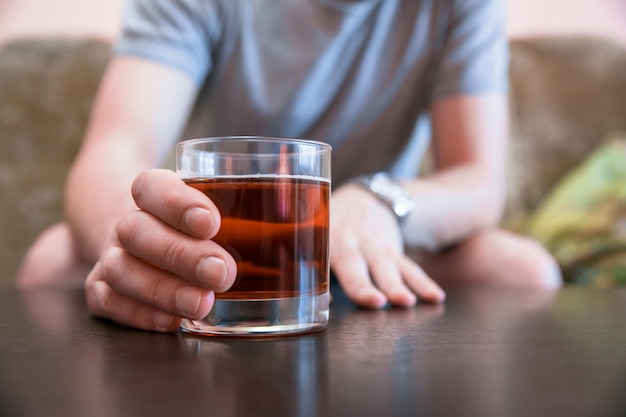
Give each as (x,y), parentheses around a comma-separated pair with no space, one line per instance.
(566,179)
(101,19)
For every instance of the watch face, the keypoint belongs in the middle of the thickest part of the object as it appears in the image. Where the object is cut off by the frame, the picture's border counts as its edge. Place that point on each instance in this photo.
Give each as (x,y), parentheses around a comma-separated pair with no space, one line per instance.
(392,194)
(403,207)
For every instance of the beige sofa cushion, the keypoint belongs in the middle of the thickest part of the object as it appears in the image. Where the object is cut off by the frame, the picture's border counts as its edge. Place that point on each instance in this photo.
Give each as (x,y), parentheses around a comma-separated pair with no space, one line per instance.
(46,90)
(567,95)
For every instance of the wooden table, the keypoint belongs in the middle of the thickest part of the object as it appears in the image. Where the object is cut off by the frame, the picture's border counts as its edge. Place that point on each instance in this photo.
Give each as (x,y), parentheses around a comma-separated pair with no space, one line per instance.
(484,353)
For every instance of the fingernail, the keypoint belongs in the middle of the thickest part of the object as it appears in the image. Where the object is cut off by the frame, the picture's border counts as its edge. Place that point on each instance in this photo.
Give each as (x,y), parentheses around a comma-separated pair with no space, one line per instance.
(371,298)
(402,297)
(438,295)
(162,321)
(188,300)
(198,221)
(212,270)
(409,300)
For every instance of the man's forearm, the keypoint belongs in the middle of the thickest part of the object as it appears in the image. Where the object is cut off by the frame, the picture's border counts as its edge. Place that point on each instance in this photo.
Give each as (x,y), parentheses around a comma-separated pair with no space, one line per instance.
(98,195)
(452,205)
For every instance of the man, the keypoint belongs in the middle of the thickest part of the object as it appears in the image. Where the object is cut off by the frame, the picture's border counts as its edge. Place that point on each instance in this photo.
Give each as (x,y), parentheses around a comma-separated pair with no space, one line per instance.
(371,77)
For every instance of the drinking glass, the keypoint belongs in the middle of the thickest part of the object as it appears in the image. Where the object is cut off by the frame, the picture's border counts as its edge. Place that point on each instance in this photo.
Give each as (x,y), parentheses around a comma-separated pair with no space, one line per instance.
(273,195)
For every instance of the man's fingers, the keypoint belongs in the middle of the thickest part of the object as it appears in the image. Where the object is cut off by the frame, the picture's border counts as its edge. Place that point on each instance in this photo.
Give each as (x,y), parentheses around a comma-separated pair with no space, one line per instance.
(162,193)
(387,275)
(199,261)
(151,286)
(419,282)
(371,276)
(104,302)
(351,270)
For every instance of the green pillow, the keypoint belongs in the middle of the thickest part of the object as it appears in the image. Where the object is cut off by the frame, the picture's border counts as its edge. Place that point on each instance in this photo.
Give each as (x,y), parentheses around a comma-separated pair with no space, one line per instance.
(582,221)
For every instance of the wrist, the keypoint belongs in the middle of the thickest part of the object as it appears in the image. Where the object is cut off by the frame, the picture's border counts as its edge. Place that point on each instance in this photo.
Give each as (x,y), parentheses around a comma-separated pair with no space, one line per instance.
(390,192)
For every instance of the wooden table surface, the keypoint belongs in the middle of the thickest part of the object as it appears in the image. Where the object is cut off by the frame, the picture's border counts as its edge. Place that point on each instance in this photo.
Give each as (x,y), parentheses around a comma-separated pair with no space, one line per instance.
(484,353)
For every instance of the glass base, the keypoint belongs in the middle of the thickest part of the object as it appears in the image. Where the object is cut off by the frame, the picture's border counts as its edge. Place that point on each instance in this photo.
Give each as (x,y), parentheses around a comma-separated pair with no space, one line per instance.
(276,316)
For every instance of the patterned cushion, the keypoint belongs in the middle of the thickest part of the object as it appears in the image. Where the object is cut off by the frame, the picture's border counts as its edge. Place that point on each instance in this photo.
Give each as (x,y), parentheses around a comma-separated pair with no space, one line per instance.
(582,221)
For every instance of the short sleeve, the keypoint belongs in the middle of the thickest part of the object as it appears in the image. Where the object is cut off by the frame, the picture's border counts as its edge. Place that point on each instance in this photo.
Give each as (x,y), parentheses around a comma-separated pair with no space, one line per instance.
(176,33)
(475,58)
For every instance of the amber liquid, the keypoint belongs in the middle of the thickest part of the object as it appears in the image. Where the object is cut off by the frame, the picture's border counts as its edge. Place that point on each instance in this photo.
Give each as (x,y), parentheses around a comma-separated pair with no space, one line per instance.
(276,228)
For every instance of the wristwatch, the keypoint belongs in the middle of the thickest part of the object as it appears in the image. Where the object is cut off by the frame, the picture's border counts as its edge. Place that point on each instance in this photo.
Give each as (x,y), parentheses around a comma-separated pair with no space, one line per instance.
(389,192)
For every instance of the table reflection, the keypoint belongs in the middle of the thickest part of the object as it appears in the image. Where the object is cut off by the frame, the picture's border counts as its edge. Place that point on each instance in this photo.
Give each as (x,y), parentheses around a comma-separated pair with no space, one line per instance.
(225,375)
(292,373)
(487,352)
(412,355)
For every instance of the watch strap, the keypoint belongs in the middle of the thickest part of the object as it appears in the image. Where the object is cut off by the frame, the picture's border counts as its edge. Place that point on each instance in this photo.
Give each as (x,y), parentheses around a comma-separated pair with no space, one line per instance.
(388,191)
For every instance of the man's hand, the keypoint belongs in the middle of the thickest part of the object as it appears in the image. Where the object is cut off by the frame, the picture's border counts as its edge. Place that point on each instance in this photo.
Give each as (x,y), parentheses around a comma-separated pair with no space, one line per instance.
(367,254)
(161,265)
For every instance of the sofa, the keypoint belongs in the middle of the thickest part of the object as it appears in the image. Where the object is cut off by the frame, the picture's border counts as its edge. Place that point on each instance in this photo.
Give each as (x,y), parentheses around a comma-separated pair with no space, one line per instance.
(567,96)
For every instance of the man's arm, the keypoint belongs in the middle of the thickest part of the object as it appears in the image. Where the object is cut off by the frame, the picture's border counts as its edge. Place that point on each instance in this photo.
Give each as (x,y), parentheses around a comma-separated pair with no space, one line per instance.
(143,223)
(466,192)
(464,195)
(137,116)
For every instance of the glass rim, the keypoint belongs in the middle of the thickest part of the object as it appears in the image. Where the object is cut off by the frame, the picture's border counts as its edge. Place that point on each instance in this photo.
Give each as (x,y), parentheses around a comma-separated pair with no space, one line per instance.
(255,138)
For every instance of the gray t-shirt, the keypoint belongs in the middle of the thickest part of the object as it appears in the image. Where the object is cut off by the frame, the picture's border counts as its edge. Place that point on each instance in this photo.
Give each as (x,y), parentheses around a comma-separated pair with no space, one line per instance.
(359,75)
